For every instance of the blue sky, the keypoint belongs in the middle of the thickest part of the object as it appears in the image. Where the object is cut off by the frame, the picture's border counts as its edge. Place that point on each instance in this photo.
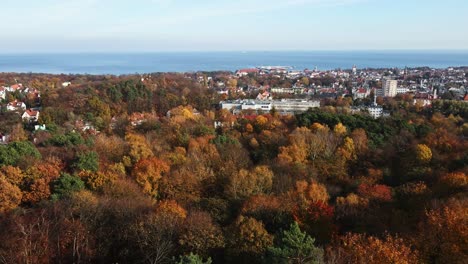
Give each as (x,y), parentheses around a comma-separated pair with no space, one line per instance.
(209,25)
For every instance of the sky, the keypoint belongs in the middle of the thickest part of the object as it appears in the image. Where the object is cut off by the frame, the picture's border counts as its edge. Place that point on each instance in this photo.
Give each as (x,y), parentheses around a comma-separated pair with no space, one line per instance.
(241,25)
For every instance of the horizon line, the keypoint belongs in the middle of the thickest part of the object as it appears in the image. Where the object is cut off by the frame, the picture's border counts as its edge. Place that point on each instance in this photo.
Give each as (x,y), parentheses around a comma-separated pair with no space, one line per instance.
(228,51)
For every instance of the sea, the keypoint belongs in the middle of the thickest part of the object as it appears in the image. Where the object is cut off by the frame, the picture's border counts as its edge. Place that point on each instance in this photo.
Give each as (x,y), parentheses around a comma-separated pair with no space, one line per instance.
(130,63)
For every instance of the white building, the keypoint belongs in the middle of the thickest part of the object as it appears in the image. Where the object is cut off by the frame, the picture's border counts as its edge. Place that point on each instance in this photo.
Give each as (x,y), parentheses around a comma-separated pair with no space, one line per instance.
(2,93)
(285,105)
(375,110)
(402,90)
(16,106)
(389,87)
(295,105)
(30,115)
(360,93)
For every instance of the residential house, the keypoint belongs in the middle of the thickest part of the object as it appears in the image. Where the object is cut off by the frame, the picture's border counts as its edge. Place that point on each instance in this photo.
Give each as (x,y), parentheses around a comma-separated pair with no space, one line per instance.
(4,138)
(2,93)
(15,87)
(16,106)
(360,93)
(30,115)
(245,72)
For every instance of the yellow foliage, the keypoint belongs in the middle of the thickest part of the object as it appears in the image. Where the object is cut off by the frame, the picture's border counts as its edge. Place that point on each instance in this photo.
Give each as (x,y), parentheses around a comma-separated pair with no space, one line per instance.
(171,208)
(340,129)
(261,120)
(139,148)
(247,183)
(10,195)
(423,153)
(317,126)
(14,175)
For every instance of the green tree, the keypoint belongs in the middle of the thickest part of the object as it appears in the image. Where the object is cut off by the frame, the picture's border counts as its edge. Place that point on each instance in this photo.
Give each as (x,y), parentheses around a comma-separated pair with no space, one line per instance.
(192,259)
(15,152)
(66,185)
(296,246)
(88,161)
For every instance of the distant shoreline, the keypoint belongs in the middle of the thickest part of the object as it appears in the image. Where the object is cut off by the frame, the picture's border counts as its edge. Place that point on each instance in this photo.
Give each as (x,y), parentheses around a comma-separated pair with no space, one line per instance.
(201,61)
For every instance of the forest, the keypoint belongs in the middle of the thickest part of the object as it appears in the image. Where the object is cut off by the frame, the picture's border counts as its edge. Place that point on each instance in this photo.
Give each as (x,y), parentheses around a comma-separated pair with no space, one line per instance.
(132,169)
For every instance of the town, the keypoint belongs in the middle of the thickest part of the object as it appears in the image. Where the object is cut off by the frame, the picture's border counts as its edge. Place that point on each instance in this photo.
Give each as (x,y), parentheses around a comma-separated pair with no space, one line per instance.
(374,92)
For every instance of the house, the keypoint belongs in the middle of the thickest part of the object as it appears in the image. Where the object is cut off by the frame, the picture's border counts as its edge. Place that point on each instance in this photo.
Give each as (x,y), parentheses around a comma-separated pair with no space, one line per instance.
(84,126)
(33,93)
(30,115)
(2,93)
(264,96)
(16,106)
(4,138)
(15,87)
(360,93)
(245,72)
(66,84)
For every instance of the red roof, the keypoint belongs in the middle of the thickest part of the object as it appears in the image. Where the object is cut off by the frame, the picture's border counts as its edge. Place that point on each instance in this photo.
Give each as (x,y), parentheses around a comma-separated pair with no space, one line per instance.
(15,103)
(32,112)
(16,86)
(466,97)
(362,90)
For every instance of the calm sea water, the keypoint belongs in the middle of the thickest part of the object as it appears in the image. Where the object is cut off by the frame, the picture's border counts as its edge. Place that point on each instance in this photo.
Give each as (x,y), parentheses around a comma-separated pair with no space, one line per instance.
(127,63)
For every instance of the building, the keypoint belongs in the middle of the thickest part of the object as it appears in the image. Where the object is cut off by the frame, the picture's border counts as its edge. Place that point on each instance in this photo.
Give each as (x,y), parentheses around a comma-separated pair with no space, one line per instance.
(282,106)
(360,93)
(389,87)
(375,110)
(30,115)
(293,90)
(2,93)
(402,90)
(295,105)
(16,106)
(245,72)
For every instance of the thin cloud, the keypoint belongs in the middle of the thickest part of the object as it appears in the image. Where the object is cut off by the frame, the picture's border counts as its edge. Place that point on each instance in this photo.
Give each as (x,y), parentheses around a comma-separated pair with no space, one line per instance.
(214,10)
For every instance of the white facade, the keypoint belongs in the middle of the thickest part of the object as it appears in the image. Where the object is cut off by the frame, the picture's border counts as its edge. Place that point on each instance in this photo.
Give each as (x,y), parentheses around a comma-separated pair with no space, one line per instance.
(30,115)
(375,111)
(15,106)
(389,87)
(284,105)
(2,93)
(295,105)
(402,90)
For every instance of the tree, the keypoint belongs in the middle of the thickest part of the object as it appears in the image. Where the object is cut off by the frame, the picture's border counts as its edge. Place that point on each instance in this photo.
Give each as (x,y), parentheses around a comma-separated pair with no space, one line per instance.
(249,237)
(88,161)
(377,192)
(148,172)
(443,234)
(66,185)
(423,153)
(232,83)
(358,248)
(200,235)
(139,148)
(340,129)
(295,246)
(15,152)
(247,183)
(193,259)
(10,195)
